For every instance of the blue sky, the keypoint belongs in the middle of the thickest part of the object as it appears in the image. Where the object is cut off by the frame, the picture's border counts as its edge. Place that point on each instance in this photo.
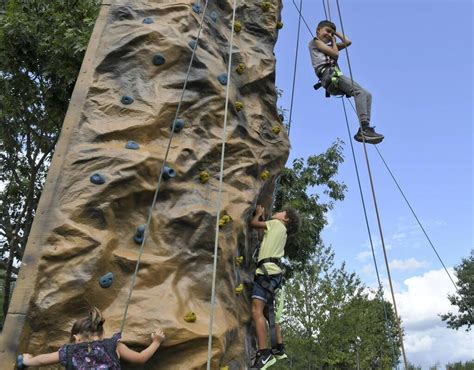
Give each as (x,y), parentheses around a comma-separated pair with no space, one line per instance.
(415,56)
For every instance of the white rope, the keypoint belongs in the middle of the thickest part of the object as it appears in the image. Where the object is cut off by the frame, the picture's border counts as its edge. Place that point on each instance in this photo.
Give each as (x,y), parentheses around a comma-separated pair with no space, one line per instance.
(219,196)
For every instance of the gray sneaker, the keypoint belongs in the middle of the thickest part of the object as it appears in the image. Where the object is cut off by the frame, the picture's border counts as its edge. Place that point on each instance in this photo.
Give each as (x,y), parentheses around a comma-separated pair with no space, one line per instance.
(368,133)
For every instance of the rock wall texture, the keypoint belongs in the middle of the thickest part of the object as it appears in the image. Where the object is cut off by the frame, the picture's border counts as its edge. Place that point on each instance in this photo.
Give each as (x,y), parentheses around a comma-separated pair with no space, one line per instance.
(118,128)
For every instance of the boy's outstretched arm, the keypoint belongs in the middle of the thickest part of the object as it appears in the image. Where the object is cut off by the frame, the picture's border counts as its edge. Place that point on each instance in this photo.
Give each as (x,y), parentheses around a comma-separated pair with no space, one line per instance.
(345,41)
(255,222)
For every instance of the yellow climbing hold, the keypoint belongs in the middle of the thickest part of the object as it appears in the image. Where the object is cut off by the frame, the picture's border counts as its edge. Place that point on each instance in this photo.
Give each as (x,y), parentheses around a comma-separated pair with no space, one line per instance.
(240,68)
(265,175)
(204,177)
(239,260)
(237,26)
(279,25)
(238,106)
(190,317)
(239,288)
(265,6)
(224,219)
(224,368)
(276,130)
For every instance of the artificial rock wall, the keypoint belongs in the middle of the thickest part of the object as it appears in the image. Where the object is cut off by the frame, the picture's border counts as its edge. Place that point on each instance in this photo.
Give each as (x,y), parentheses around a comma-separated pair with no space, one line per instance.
(117,130)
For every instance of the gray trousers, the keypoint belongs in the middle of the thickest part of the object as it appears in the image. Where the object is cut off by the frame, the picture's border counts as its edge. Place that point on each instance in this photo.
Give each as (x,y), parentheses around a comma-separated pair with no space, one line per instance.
(363,98)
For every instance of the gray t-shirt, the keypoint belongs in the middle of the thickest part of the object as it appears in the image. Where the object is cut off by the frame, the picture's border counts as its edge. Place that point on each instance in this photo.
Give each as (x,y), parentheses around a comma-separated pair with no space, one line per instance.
(318,58)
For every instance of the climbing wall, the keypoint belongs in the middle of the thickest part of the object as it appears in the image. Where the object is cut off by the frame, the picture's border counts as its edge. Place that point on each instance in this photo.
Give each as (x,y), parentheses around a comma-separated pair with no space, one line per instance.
(86,237)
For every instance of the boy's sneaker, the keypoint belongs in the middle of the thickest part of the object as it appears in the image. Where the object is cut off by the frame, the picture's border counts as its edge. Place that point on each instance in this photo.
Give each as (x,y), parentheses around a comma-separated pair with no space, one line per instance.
(279,353)
(368,133)
(264,359)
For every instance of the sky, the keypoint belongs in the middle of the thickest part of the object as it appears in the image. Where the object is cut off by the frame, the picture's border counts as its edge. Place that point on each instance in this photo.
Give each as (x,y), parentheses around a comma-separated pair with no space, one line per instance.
(415,57)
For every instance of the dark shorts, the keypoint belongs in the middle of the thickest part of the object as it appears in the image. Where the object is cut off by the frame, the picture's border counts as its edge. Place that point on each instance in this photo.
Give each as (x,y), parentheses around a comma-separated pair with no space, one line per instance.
(259,292)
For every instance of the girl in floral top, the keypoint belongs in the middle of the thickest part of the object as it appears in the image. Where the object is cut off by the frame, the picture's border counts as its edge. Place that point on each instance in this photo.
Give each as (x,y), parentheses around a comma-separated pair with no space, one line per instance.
(88,350)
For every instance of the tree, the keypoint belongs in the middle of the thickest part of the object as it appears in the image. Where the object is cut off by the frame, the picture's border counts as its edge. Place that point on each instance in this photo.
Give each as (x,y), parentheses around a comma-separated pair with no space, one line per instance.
(42,44)
(297,188)
(464,299)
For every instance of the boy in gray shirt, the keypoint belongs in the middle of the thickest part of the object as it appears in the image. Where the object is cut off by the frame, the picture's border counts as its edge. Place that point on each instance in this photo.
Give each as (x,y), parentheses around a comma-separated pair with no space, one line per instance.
(324,51)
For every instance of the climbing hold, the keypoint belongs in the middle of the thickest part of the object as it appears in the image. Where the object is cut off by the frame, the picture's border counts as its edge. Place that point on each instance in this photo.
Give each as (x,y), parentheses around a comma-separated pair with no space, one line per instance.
(224,368)
(126,100)
(239,260)
(239,288)
(178,125)
(279,25)
(132,145)
(214,16)
(19,363)
(196,8)
(238,106)
(139,234)
(190,317)
(240,68)
(265,6)
(204,177)
(222,78)
(281,117)
(265,175)
(192,44)
(168,173)
(148,21)
(106,280)
(97,179)
(276,129)
(158,60)
(224,219)
(237,26)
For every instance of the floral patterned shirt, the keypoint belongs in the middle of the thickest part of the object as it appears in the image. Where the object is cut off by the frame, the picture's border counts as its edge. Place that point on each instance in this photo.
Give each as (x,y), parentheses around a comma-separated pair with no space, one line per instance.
(94,355)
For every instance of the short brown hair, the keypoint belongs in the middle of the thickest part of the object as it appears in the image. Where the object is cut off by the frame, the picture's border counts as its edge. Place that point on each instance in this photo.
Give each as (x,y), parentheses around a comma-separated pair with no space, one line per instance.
(294,221)
(88,326)
(326,23)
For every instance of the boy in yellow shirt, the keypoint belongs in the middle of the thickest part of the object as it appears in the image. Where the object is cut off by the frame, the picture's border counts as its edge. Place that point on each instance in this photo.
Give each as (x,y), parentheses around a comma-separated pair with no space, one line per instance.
(268,278)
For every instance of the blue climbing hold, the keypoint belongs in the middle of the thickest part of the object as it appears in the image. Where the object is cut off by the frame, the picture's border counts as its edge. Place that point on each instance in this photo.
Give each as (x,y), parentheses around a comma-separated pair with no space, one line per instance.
(158,60)
(139,234)
(178,125)
(196,8)
(106,280)
(214,16)
(132,145)
(126,100)
(168,173)
(192,44)
(97,179)
(19,363)
(222,78)
(148,21)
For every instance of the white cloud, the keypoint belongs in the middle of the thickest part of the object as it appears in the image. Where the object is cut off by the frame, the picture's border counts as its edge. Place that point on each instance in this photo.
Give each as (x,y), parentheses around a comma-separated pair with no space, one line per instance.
(408,264)
(363,256)
(427,338)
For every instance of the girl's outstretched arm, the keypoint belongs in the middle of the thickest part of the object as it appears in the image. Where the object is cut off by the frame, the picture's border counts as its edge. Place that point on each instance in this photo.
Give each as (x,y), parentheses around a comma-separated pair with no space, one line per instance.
(130,355)
(40,360)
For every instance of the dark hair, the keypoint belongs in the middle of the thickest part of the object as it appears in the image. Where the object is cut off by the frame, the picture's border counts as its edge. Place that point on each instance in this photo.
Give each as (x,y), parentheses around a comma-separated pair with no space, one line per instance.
(88,326)
(326,23)
(294,221)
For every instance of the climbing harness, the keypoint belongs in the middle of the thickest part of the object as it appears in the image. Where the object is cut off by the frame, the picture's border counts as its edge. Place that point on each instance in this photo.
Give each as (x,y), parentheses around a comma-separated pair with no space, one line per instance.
(328,75)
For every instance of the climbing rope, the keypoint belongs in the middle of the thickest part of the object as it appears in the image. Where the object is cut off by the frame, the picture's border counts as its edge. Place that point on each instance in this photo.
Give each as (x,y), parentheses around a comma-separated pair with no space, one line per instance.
(325,11)
(294,69)
(219,196)
(329,11)
(367,222)
(397,321)
(304,20)
(155,196)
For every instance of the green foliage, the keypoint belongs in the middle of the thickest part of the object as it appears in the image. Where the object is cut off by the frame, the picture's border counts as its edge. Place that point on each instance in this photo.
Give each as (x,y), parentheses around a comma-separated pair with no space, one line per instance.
(468,365)
(42,44)
(329,322)
(464,300)
(297,188)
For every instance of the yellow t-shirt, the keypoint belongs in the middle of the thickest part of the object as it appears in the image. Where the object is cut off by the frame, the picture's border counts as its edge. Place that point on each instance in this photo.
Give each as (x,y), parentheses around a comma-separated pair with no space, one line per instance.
(273,245)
